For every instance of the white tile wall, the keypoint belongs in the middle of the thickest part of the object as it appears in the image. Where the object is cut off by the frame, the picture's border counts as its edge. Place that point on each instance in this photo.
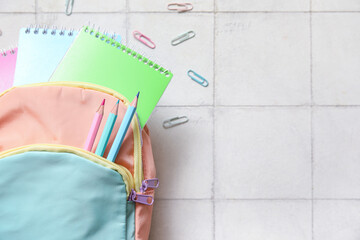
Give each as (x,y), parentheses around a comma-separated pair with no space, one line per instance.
(162,5)
(262,59)
(262,153)
(271,148)
(258,220)
(262,5)
(336,5)
(182,219)
(17,6)
(336,153)
(10,25)
(336,220)
(336,58)
(82,6)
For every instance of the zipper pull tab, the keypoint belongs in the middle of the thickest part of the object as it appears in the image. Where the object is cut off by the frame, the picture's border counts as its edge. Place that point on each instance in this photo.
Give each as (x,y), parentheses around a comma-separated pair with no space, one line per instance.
(140,198)
(149,183)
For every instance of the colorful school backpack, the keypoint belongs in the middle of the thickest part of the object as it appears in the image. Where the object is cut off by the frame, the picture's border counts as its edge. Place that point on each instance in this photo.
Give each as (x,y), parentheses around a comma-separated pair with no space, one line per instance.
(50,188)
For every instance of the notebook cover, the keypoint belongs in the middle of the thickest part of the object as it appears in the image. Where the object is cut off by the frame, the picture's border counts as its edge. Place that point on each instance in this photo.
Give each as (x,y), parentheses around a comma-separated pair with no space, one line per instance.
(98,59)
(7,68)
(40,51)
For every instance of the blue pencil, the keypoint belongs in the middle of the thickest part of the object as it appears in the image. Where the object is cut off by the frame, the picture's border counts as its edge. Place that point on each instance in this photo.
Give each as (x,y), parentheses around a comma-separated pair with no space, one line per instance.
(114,150)
(110,122)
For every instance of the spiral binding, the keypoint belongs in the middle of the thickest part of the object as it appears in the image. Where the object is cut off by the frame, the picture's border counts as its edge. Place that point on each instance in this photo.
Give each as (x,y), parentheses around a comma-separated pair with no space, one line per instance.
(127,50)
(4,52)
(37,29)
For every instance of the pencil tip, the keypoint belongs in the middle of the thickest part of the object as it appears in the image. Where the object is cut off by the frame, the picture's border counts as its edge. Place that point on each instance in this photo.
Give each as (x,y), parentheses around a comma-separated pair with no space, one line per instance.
(103,102)
(137,95)
(116,108)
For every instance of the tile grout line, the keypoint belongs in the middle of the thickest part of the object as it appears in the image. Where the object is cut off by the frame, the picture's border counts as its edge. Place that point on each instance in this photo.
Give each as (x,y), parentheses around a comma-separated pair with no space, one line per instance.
(213,130)
(36,11)
(127,22)
(311,122)
(193,12)
(213,11)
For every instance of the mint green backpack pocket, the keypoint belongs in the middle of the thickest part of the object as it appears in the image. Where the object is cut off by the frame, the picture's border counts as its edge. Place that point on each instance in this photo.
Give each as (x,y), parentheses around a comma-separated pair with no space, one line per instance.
(84,193)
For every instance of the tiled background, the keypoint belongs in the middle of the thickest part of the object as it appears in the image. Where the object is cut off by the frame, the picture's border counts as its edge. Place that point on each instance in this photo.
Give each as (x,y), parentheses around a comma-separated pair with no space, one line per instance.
(271,150)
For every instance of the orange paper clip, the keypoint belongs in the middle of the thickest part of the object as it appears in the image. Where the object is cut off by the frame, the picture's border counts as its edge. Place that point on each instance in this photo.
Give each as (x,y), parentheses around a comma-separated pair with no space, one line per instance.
(180,7)
(144,39)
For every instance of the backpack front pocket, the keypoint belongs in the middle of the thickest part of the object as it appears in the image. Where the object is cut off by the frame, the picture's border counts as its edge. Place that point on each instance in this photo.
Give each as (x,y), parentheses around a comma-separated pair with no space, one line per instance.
(60,192)
(61,113)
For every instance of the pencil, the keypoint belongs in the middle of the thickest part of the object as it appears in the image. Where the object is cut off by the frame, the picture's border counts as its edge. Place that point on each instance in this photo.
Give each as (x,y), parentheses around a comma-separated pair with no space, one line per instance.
(94,127)
(110,122)
(114,150)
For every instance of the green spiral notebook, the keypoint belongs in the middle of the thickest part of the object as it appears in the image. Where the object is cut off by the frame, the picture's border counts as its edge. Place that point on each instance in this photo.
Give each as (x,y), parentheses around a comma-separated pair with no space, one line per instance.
(96,58)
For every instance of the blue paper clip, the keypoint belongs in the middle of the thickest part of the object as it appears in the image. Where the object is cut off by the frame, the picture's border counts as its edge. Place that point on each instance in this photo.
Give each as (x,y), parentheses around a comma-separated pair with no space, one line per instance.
(197,78)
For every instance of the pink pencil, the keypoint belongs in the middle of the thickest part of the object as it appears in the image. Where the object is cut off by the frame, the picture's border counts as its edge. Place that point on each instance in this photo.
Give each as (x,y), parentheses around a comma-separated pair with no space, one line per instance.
(94,127)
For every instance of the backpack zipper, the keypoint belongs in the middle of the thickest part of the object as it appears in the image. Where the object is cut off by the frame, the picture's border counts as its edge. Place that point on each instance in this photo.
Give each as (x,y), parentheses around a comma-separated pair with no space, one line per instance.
(141,198)
(149,183)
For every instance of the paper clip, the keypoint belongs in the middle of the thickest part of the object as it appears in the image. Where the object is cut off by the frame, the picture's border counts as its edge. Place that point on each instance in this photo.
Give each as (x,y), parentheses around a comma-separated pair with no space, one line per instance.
(175,121)
(197,78)
(69,7)
(144,39)
(182,38)
(180,7)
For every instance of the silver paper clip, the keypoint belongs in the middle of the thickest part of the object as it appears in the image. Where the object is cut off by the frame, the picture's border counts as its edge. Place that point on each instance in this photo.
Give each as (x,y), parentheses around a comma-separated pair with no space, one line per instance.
(69,7)
(175,121)
(198,78)
(182,38)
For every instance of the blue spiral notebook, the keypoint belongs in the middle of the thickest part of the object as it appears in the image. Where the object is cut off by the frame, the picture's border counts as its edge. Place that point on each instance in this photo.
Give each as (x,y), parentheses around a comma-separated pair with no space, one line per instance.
(40,50)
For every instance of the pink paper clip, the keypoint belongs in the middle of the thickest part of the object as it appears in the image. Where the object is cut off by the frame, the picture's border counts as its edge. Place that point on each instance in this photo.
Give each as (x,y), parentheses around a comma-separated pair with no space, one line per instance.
(180,7)
(144,39)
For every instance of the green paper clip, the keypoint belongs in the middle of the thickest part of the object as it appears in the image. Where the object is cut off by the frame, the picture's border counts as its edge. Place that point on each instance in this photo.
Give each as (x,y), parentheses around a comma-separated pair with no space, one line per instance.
(198,78)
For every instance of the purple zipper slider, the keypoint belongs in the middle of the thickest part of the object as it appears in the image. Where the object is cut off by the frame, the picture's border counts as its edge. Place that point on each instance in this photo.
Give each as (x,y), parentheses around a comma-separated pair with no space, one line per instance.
(149,183)
(140,198)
